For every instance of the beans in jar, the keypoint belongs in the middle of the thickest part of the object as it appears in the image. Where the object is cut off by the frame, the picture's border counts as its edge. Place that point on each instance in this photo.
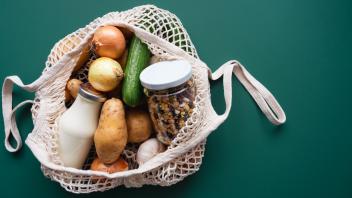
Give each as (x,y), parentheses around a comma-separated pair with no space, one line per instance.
(171,94)
(170,109)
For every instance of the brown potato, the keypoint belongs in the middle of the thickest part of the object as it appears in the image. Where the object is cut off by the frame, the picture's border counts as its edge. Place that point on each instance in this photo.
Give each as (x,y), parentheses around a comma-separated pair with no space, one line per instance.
(67,44)
(73,86)
(71,42)
(68,96)
(117,166)
(139,125)
(110,138)
(83,58)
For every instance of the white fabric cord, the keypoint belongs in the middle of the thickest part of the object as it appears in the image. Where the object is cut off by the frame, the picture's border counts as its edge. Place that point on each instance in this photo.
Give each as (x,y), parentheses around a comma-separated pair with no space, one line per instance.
(14,130)
(262,96)
(9,113)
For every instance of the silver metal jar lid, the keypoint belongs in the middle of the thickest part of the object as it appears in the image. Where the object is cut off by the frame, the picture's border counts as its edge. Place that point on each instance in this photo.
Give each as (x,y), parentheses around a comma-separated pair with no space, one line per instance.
(87,91)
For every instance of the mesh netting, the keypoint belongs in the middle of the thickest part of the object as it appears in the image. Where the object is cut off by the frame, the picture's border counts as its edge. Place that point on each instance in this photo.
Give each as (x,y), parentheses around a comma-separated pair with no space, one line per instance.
(166,36)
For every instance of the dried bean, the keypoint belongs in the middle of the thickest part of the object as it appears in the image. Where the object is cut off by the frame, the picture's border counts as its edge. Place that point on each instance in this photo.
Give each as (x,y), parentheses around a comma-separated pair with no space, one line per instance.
(171,109)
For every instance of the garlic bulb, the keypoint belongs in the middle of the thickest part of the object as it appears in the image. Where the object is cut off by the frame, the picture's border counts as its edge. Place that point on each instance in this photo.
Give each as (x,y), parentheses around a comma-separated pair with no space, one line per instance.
(148,150)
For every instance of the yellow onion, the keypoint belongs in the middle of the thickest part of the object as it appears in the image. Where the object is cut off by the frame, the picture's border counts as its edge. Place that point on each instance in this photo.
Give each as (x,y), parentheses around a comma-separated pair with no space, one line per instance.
(105,74)
(108,41)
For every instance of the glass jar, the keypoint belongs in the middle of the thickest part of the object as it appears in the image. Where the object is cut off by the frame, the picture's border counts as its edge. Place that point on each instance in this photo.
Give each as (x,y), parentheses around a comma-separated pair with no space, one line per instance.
(170,97)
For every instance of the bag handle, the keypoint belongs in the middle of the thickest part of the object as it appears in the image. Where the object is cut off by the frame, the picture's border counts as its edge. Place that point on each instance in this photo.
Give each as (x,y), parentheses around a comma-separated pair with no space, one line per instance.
(262,96)
(9,113)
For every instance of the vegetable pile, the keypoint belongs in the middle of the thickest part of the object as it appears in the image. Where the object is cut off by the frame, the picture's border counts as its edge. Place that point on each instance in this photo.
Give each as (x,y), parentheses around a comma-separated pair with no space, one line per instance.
(115,58)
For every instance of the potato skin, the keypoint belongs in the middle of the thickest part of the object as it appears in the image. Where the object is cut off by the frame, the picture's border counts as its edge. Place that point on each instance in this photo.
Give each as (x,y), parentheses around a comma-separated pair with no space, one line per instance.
(139,125)
(83,58)
(117,166)
(73,86)
(68,96)
(110,138)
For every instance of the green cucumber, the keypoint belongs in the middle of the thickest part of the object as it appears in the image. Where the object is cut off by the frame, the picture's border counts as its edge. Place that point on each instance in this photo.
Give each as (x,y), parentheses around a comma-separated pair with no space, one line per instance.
(137,60)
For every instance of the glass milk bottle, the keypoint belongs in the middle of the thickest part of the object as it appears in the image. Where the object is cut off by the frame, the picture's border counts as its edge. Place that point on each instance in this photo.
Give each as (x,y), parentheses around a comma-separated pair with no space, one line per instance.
(77,126)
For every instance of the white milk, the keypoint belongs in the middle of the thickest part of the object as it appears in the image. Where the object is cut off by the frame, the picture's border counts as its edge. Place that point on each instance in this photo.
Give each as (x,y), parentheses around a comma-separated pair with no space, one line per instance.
(77,126)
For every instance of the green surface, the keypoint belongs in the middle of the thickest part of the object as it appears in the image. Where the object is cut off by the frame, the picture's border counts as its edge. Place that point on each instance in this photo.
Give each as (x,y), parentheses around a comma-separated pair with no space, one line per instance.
(299,49)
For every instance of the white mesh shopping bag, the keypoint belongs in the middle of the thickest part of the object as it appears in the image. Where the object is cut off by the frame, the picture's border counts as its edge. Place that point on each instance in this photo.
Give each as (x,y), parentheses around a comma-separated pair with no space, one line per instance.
(166,38)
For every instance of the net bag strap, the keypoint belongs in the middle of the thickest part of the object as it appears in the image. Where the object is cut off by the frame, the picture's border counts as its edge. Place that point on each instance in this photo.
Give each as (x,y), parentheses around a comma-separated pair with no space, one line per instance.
(262,96)
(9,113)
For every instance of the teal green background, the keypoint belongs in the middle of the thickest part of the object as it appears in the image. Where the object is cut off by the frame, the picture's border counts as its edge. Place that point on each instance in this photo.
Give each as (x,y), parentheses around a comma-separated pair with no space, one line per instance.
(300,50)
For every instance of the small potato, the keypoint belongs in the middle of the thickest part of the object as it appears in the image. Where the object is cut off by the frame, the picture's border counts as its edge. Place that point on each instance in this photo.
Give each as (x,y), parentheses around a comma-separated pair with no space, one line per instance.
(73,86)
(68,44)
(139,125)
(83,58)
(118,166)
(68,96)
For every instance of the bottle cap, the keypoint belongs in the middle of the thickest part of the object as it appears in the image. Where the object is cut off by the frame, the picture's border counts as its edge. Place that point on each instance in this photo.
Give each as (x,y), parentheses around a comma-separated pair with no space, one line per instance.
(87,91)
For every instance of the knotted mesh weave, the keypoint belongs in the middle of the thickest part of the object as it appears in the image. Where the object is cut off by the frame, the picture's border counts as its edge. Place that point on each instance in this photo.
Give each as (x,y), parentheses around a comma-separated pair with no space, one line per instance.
(165,36)
(167,39)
